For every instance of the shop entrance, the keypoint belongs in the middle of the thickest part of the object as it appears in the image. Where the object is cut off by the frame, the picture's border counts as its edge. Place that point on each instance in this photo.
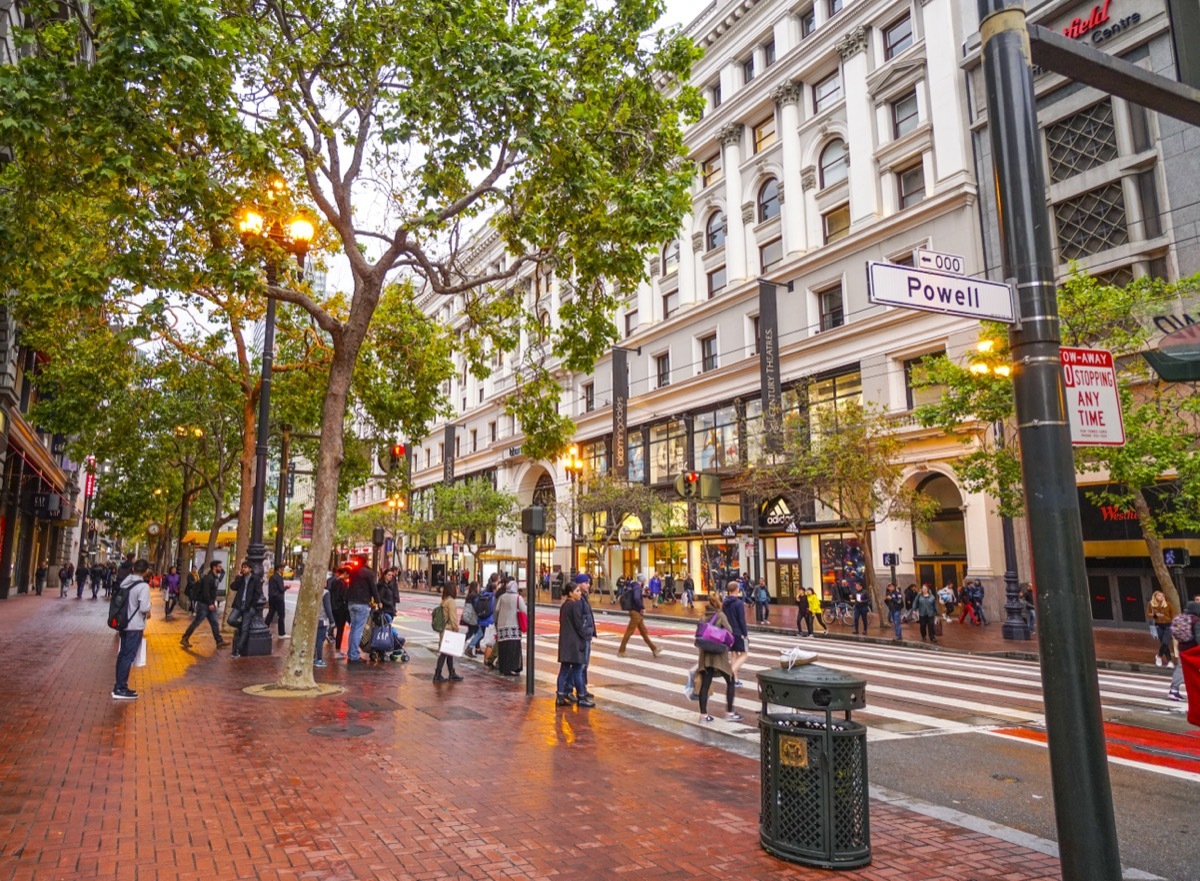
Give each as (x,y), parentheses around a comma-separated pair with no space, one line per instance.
(939,573)
(787,581)
(1119,596)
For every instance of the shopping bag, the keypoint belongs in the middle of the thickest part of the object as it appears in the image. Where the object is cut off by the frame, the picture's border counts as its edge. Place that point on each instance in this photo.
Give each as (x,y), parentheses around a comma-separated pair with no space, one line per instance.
(689,685)
(382,638)
(140,660)
(937,626)
(453,643)
(522,621)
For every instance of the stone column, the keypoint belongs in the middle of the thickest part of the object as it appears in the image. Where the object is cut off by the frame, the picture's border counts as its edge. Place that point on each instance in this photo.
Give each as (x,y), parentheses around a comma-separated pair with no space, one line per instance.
(864,183)
(735,240)
(687,262)
(947,107)
(795,230)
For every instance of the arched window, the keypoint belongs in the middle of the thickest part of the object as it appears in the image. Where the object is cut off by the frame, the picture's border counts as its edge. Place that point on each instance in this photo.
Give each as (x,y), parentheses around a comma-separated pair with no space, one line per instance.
(715,231)
(834,163)
(768,200)
(670,257)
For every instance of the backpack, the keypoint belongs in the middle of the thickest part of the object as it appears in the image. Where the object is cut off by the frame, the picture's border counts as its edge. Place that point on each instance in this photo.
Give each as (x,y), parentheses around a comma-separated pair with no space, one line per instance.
(1181,627)
(626,598)
(439,619)
(118,607)
(483,605)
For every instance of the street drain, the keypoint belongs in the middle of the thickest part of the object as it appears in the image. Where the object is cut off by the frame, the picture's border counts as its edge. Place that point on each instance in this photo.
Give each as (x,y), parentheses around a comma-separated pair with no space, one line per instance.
(373,705)
(340,731)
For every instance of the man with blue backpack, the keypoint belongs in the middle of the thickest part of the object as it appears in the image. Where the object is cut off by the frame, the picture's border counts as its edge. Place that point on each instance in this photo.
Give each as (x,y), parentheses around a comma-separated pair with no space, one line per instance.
(129,607)
(484,605)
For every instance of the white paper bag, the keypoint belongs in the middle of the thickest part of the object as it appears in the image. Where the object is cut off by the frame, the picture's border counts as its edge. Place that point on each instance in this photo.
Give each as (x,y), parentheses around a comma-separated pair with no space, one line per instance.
(140,660)
(453,643)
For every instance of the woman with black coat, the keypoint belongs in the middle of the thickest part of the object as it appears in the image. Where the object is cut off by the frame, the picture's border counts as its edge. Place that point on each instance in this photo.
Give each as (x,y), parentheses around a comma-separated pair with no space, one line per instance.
(735,610)
(572,650)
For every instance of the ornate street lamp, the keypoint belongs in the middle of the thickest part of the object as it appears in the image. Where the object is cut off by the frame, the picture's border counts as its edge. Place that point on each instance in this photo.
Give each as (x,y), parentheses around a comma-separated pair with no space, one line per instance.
(260,230)
(574,468)
(1015,626)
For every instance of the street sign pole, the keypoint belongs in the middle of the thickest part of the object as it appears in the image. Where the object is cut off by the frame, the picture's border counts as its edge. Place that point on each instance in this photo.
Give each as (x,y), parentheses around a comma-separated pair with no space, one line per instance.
(1083,805)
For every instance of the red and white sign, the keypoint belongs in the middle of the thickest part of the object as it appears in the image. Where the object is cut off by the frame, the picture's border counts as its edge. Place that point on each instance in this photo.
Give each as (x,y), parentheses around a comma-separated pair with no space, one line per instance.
(306,525)
(89,485)
(1093,404)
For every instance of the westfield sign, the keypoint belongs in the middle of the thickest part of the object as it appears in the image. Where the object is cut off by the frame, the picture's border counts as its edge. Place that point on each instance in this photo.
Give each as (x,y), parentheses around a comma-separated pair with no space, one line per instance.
(1081,26)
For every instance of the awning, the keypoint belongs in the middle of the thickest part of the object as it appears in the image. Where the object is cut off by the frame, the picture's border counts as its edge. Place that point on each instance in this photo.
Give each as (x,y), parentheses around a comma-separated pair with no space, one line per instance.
(200,537)
(36,456)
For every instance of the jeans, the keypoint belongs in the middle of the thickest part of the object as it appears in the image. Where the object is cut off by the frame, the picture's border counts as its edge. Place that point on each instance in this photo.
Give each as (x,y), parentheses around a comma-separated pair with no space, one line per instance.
(477,637)
(860,614)
(570,677)
(130,641)
(275,608)
(896,615)
(203,611)
(322,627)
(1031,617)
(359,613)
(1164,641)
(587,659)
(636,622)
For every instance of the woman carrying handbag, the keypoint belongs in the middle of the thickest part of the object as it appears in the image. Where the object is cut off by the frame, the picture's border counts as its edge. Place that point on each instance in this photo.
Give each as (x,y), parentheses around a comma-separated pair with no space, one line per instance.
(712,662)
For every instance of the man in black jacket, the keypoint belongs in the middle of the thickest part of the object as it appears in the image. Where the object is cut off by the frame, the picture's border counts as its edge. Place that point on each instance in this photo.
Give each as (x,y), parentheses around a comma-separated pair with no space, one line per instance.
(361,593)
(637,623)
(275,608)
(247,590)
(204,604)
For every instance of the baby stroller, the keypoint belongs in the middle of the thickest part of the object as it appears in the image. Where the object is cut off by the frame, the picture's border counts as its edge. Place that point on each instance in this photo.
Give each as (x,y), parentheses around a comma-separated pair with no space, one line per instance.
(381,642)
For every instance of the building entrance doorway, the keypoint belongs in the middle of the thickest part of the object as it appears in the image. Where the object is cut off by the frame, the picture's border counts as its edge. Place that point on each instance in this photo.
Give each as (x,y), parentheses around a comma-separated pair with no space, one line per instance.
(1119,596)
(787,581)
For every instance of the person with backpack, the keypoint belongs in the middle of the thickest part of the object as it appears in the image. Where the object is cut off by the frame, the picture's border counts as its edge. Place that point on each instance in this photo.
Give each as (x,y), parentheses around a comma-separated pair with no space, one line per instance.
(633,603)
(96,576)
(968,605)
(204,606)
(977,595)
(449,622)
(1185,630)
(133,600)
(484,605)
(170,585)
(710,663)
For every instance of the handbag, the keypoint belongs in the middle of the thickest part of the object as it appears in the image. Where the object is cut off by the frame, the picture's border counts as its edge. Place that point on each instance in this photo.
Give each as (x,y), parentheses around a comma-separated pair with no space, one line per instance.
(453,643)
(713,639)
(522,621)
(937,626)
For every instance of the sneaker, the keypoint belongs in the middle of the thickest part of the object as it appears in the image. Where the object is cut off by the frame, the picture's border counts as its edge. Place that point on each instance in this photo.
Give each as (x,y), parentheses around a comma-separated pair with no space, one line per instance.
(285,636)
(320,664)
(454,677)
(124,694)
(1157,660)
(235,655)
(740,684)
(1174,696)
(186,644)
(733,717)
(1170,665)
(704,718)
(339,655)
(656,651)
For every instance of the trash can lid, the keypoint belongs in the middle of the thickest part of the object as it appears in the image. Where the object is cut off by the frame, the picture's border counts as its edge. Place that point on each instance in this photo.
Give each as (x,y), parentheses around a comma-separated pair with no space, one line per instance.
(812,687)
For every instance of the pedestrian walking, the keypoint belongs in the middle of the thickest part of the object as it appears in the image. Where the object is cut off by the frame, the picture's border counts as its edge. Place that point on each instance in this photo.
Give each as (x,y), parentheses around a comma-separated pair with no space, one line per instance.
(689,590)
(637,615)
(894,600)
(927,611)
(96,578)
(276,610)
(1159,613)
(1191,639)
(204,605)
(360,594)
(170,584)
(811,609)
(337,584)
(711,664)
(81,577)
(947,596)
(977,595)
(862,607)
(589,628)
(655,588)
(137,610)
(249,600)
(572,650)
(484,604)
(762,603)
(324,620)
(450,613)
(66,575)
(734,608)
(509,608)
(468,618)
(969,609)
(40,575)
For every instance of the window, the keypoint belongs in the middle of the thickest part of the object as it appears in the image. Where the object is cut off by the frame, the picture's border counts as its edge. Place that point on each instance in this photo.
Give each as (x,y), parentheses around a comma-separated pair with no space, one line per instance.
(764,134)
(827,92)
(668,450)
(716,282)
(714,231)
(770,254)
(492,432)
(715,93)
(768,53)
(754,335)
(837,224)
(904,115)
(1082,141)
(902,260)
(710,170)
(662,370)
(708,353)
(808,22)
(589,397)
(835,163)
(829,304)
(715,437)
(914,375)
(480,394)
(910,182)
(897,38)
(827,396)
(474,440)
(595,457)
(834,7)
(748,69)
(670,303)
(670,257)
(1091,222)
(1151,216)
(768,200)
(631,322)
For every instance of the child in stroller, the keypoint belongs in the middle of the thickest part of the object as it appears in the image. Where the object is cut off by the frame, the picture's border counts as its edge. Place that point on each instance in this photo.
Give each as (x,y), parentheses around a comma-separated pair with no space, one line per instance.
(381,641)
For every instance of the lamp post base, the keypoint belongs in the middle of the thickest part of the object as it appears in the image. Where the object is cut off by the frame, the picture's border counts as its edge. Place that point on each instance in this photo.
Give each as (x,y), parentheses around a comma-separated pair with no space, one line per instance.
(1015,625)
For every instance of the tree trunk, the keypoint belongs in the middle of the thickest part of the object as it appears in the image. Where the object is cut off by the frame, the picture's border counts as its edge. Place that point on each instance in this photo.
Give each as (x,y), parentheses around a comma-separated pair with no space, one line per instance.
(297,672)
(877,605)
(246,500)
(214,532)
(1154,545)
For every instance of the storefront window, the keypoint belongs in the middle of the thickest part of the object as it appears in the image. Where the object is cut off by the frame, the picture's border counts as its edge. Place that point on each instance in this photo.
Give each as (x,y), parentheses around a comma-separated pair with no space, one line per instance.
(842,562)
(595,457)
(825,396)
(716,439)
(668,451)
(636,457)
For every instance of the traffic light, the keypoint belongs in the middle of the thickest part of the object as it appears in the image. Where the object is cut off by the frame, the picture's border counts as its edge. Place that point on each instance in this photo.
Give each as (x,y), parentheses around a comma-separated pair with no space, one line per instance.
(687,485)
(390,458)
(1177,557)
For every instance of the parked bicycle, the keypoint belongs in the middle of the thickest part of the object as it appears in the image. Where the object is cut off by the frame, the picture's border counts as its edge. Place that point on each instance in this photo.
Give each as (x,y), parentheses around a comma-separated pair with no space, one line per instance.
(837,612)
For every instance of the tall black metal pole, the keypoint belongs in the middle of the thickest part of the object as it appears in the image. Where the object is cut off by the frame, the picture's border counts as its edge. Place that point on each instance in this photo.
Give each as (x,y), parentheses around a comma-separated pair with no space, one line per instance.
(531,606)
(285,447)
(1083,804)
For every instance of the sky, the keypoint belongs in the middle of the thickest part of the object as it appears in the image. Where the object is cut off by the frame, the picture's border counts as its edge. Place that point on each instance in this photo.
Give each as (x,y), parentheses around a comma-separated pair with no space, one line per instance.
(682,12)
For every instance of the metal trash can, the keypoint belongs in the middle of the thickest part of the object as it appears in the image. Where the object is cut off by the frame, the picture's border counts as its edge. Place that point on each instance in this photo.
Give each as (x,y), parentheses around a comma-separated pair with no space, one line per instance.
(815,803)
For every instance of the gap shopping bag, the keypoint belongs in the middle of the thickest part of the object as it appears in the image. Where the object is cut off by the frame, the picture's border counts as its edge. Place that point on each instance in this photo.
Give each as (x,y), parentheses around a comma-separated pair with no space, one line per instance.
(453,643)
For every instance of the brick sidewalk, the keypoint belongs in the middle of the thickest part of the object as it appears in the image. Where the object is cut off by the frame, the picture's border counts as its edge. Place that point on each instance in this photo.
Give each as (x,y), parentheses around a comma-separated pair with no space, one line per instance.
(395,778)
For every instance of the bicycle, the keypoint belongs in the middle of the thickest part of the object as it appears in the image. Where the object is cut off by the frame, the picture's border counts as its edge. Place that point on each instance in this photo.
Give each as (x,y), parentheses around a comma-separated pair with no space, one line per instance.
(837,612)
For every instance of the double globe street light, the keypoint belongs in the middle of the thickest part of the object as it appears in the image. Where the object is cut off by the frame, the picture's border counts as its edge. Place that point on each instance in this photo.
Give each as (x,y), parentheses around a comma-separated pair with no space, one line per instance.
(262,231)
